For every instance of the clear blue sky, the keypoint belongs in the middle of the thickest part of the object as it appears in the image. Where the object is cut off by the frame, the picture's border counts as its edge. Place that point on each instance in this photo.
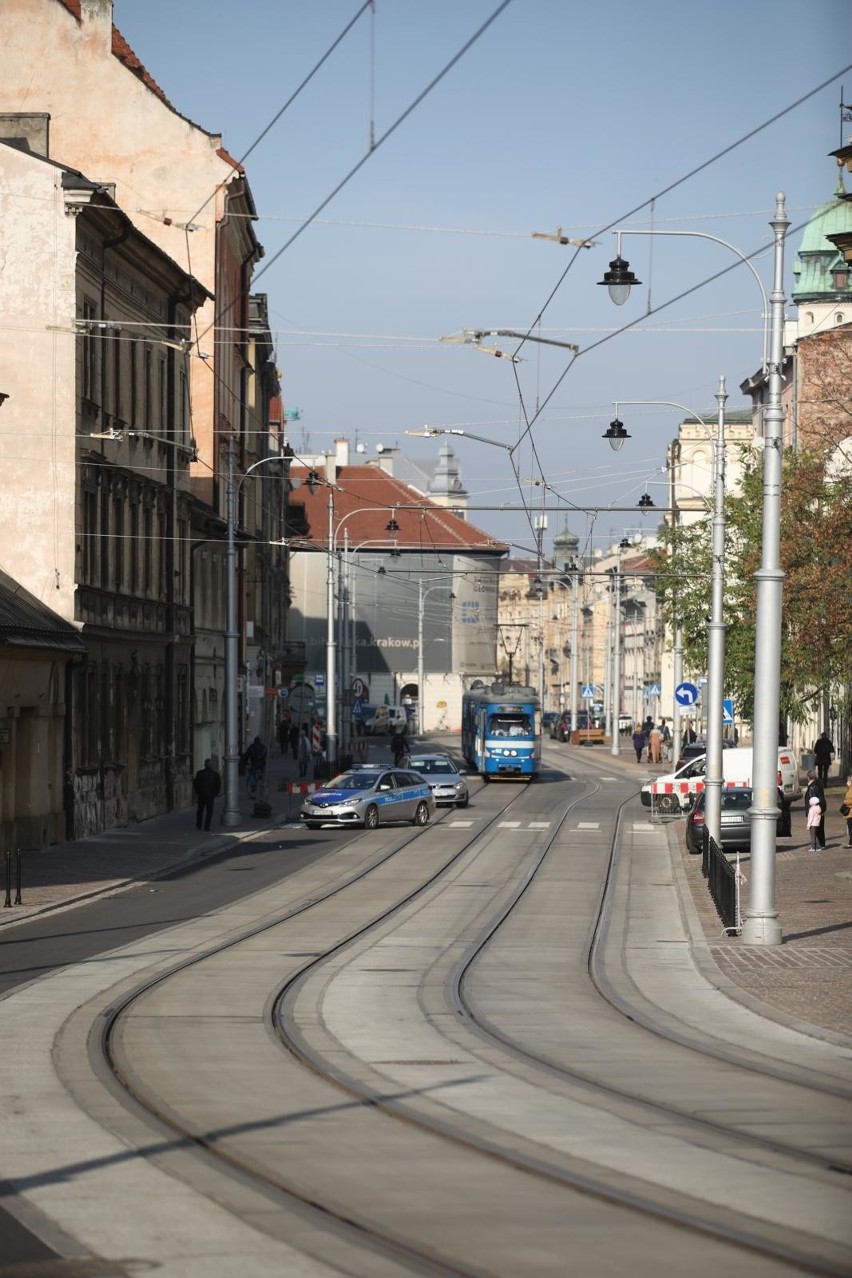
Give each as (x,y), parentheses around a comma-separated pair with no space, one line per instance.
(538,126)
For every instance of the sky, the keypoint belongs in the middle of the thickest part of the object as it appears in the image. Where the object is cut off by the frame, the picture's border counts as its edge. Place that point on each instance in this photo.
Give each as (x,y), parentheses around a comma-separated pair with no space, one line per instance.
(560,114)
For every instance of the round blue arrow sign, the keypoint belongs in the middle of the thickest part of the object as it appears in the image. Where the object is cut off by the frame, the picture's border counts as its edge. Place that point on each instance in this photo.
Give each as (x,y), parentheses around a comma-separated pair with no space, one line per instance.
(686,694)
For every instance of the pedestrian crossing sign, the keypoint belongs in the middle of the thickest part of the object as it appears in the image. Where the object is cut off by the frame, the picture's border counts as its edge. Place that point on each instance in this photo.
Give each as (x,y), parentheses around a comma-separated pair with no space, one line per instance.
(588,693)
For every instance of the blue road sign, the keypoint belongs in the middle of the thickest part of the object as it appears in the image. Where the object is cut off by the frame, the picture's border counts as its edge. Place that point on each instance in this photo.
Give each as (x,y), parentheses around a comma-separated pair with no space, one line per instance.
(686,694)
(654,690)
(727,710)
(588,693)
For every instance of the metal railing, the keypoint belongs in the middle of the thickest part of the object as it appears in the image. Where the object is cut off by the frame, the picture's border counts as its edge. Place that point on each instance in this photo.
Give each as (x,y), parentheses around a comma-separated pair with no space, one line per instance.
(723,880)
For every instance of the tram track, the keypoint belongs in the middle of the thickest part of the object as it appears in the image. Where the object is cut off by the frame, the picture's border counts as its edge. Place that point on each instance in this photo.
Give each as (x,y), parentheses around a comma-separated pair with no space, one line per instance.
(418,1258)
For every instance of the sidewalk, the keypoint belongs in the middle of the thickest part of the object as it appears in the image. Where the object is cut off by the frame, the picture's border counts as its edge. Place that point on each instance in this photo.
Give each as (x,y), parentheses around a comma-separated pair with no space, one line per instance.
(808,979)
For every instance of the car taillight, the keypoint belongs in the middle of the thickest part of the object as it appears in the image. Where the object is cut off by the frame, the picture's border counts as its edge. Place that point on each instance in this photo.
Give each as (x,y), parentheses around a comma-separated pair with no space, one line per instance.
(698,818)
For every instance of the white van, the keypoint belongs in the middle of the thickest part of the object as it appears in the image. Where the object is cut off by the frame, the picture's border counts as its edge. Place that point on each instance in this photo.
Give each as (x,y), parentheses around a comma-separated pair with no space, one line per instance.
(675,791)
(388,719)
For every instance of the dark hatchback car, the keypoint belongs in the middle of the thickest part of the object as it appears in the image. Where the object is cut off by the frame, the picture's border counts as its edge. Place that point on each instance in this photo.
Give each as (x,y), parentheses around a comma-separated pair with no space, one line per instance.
(736,822)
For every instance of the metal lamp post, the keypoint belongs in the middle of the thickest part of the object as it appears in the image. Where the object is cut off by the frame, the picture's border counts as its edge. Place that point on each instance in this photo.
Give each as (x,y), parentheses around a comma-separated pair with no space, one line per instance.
(762,925)
(715,621)
(624,544)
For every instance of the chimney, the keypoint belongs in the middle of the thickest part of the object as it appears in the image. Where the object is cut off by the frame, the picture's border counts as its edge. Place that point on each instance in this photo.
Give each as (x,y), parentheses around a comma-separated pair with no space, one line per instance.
(330,460)
(341,447)
(96,16)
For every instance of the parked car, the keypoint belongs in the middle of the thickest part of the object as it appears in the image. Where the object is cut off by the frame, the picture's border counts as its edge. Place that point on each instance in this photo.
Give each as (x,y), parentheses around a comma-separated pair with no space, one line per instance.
(443,778)
(587,732)
(388,719)
(548,719)
(369,797)
(735,825)
(560,726)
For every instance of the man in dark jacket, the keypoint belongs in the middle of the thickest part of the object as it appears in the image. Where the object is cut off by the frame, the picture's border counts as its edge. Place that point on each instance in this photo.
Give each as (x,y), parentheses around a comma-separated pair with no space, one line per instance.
(815,788)
(823,753)
(207,784)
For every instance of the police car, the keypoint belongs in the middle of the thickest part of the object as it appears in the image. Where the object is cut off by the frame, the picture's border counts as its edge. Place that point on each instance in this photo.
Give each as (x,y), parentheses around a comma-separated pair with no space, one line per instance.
(370,796)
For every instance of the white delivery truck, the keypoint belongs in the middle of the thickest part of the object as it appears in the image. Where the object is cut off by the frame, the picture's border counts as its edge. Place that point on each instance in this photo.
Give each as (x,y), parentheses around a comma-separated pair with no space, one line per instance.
(675,792)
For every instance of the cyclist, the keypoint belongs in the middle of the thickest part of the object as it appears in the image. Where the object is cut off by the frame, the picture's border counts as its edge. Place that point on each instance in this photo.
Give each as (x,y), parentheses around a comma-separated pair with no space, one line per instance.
(399,748)
(254,760)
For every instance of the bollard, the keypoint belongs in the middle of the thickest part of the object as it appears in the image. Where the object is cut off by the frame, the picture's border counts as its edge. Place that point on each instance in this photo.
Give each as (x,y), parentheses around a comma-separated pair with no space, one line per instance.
(7,904)
(18,900)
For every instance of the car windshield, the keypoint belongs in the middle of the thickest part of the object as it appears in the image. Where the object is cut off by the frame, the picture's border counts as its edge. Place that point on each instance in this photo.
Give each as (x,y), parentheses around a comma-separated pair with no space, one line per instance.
(432,766)
(352,781)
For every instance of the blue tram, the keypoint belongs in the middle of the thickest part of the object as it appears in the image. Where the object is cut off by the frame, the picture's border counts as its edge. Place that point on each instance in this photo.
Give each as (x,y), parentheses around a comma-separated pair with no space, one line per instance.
(501,731)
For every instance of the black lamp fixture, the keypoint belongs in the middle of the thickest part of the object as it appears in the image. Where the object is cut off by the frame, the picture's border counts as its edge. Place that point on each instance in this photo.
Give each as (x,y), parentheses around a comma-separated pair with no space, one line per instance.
(646,501)
(616,434)
(625,543)
(619,279)
(392,526)
(313,481)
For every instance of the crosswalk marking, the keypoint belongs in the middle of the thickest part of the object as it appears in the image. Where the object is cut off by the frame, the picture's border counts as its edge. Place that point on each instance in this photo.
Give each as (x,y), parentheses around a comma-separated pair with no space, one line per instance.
(588,825)
(510,825)
(643,827)
(459,825)
(607,778)
(539,825)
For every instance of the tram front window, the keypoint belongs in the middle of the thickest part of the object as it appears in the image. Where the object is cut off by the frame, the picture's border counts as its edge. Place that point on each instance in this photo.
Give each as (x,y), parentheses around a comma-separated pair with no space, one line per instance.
(509,726)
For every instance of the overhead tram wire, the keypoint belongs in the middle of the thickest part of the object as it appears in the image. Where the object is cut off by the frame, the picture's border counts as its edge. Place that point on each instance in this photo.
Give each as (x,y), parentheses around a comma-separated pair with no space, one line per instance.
(746,137)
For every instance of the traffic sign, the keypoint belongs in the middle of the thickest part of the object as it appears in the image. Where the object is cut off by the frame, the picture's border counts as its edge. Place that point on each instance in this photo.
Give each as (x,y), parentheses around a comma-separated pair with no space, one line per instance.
(588,693)
(728,711)
(319,680)
(360,688)
(686,694)
(654,690)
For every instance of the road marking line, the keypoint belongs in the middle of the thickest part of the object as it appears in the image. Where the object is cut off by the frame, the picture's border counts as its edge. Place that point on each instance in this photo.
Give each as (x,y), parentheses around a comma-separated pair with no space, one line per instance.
(539,825)
(459,825)
(589,825)
(643,827)
(510,825)
(607,778)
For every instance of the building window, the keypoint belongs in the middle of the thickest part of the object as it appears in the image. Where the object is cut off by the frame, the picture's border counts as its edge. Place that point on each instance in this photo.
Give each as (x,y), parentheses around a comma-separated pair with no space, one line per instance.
(89,352)
(148,388)
(133,548)
(164,395)
(90,538)
(183,407)
(147,551)
(103,540)
(133,356)
(162,556)
(118,542)
(115,349)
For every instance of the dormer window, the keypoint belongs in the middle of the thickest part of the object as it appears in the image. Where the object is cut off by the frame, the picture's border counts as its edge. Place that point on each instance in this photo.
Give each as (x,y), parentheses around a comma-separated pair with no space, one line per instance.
(841,276)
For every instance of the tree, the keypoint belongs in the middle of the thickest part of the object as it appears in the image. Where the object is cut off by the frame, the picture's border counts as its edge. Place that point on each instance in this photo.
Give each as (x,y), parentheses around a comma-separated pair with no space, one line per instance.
(816,533)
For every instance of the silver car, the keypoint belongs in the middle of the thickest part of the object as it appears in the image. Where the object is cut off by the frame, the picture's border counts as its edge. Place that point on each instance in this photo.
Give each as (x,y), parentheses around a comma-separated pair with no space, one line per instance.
(369,797)
(445,781)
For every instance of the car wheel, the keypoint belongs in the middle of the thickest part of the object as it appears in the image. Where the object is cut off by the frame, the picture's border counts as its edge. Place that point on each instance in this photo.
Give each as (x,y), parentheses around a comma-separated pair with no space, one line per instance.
(371,817)
(667,804)
(421,816)
(462,803)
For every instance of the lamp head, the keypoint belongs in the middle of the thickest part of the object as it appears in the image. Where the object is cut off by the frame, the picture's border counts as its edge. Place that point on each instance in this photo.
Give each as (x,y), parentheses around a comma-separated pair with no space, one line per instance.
(392,526)
(619,279)
(646,501)
(616,434)
(313,481)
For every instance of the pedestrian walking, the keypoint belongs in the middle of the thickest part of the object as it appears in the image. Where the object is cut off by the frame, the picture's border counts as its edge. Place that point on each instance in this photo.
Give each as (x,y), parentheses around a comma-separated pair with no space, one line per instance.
(206,785)
(294,738)
(846,810)
(815,790)
(689,733)
(254,759)
(283,736)
(823,754)
(655,743)
(398,748)
(303,751)
(813,820)
(639,743)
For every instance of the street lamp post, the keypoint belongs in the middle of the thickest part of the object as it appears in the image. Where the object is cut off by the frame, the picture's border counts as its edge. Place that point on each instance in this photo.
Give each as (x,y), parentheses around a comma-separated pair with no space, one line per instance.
(762,925)
(624,544)
(715,622)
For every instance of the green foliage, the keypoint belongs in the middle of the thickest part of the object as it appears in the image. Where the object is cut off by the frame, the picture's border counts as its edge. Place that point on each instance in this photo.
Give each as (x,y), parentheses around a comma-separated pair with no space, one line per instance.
(816,536)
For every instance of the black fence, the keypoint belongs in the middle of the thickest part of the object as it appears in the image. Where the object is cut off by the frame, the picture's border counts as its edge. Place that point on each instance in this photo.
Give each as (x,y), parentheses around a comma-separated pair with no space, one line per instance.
(721,879)
(325,769)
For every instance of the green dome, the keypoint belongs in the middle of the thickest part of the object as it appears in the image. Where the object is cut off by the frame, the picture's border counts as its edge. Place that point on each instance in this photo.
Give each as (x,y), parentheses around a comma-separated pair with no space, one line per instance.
(817,258)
